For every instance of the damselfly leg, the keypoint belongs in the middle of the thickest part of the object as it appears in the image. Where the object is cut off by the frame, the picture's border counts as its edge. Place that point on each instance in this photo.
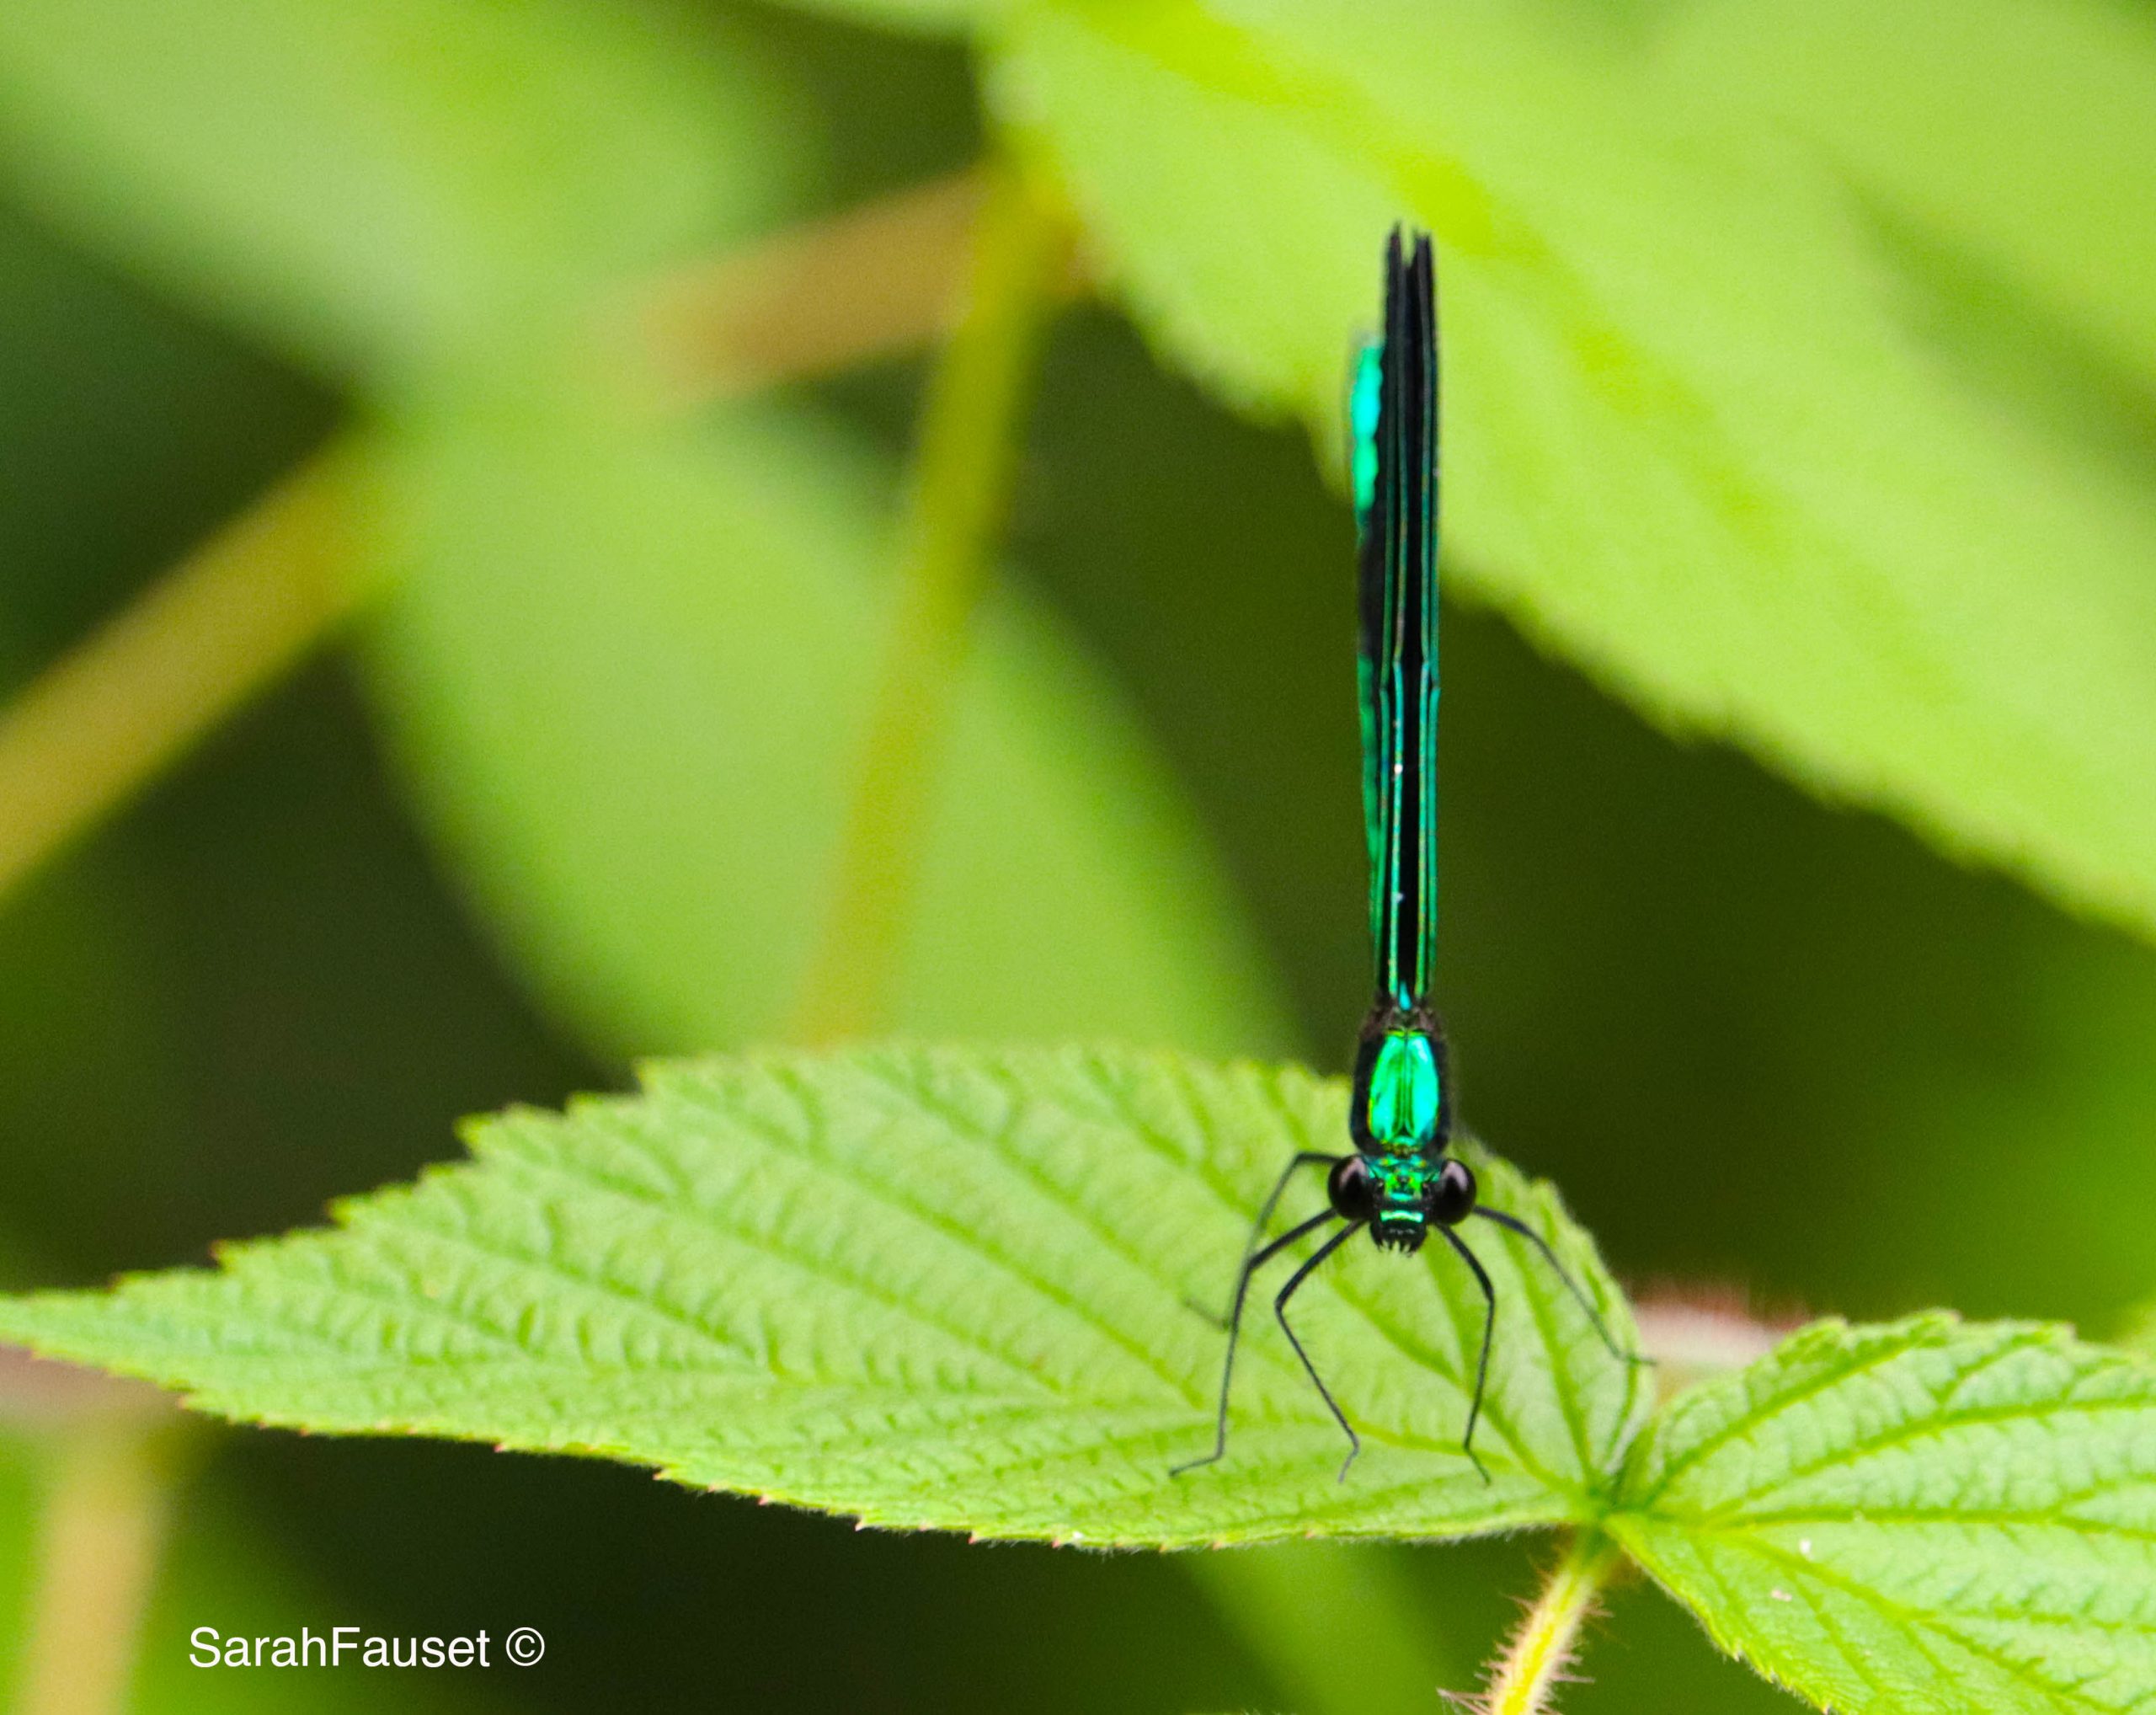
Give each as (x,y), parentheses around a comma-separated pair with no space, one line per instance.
(1483,1357)
(1280,1309)
(1309,1158)
(1252,1262)
(1512,1223)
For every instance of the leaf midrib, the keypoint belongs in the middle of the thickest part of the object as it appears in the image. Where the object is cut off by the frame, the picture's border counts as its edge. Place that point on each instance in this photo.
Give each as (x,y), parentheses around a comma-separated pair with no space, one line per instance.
(1854,1453)
(698,1213)
(1754,1414)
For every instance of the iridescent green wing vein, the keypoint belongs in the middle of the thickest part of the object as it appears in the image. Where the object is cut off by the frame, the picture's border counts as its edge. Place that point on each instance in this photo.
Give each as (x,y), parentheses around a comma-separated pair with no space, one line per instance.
(1393,418)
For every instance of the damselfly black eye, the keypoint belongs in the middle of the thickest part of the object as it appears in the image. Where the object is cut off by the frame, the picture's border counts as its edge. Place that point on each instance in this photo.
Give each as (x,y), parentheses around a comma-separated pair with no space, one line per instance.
(1452,1196)
(1348,1187)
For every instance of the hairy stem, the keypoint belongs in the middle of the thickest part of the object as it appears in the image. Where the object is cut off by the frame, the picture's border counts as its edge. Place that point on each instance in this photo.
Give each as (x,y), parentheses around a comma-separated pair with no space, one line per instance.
(250,603)
(967,453)
(1535,1662)
(98,1546)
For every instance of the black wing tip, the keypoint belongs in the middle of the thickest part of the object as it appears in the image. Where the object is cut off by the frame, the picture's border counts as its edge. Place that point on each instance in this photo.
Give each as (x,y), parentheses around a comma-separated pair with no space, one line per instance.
(1408,250)
(1410,292)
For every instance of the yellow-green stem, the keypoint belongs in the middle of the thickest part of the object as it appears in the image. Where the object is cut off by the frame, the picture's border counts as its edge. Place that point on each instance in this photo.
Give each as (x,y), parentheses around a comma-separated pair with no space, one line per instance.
(1534,1663)
(871,280)
(108,718)
(236,614)
(98,1540)
(967,453)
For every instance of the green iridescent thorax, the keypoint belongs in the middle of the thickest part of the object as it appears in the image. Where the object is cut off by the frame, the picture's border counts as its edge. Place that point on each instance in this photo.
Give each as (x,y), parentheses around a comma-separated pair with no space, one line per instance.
(1400,1093)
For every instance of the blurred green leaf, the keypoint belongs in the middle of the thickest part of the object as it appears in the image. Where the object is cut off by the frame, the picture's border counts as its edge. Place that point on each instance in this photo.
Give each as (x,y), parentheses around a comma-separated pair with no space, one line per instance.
(628,674)
(381,186)
(1697,441)
(1918,1517)
(932,1289)
(927,17)
(1292,1604)
(2017,129)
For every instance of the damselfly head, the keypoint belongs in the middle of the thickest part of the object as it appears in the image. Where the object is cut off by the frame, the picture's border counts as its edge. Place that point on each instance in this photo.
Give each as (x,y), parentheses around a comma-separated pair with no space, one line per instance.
(1399,1195)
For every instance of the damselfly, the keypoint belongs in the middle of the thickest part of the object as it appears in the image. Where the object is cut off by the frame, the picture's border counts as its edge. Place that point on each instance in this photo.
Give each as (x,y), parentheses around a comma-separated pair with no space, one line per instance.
(1400,1184)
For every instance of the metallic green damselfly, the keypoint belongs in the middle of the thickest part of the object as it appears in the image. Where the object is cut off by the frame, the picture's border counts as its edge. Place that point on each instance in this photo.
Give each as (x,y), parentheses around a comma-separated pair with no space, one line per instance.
(1400,1184)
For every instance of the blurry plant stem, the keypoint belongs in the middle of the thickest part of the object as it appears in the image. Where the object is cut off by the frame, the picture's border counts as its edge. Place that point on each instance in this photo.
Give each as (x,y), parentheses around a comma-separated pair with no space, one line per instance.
(815,299)
(250,603)
(110,715)
(98,1540)
(967,451)
(1542,1653)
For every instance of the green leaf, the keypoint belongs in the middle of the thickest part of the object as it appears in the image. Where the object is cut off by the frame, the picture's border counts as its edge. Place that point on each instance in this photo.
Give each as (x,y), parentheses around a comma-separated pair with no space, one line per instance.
(1913,98)
(929,1288)
(1917,1517)
(1700,435)
(380,185)
(1290,1607)
(922,17)
(628,673)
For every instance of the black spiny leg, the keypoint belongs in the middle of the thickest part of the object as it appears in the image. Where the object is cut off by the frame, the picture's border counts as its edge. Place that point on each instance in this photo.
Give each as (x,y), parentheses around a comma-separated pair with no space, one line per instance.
(1251,1264)
(1280,1309)
(1306,1158)
(1489,1328)
(1512,1223)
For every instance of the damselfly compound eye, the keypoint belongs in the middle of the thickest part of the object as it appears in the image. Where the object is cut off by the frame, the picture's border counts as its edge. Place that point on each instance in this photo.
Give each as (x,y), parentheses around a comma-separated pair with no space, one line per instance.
(1348,1187)
(1452,1194)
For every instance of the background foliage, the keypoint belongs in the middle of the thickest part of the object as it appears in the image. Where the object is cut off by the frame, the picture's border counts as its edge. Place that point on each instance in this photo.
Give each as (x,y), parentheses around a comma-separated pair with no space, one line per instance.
(1804,400)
